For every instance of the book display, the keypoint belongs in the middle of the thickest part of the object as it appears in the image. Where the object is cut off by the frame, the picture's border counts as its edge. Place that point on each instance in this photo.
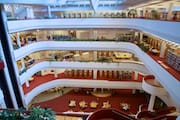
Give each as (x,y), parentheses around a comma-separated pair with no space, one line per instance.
(173,59)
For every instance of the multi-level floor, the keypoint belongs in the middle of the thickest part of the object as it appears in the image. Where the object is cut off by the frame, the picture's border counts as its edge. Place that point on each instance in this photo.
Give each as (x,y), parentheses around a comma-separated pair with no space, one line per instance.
(111,45)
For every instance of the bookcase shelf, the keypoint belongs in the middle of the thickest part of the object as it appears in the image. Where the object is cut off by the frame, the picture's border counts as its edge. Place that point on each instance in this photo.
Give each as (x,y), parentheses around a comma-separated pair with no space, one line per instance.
(173,59)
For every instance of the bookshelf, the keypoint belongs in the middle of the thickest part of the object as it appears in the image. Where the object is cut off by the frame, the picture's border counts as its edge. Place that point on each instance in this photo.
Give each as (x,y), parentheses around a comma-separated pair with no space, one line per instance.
(173,59)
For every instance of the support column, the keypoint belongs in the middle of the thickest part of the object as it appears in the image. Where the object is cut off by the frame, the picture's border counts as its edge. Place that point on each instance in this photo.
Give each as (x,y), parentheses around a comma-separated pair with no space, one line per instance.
(18,40)
(139,12)
(162,49)
(141,37)
(95,34)
(102,90)
(95,90)
(169,15)
(2,104)
(29,12)
(135,75)
(55,73)
(49,11)
(95,55)
(144,12)
(27,83)
(9,59)
(94,74)
(133,91)
(13,11)
(6,85)
(151,103)
(23,64)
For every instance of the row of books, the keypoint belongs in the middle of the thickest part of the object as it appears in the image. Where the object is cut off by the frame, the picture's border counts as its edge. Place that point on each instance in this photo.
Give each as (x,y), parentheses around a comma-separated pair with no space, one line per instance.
(173,60)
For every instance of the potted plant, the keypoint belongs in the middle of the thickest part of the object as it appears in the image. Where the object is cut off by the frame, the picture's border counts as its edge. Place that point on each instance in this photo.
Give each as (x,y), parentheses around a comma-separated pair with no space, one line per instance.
(35,113)
(38,113)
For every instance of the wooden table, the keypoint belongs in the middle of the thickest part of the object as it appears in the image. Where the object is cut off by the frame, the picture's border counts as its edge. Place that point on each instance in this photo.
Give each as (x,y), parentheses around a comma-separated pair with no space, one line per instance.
(93,104)
(125,106)
(122,55)
(72,103)
(155,51)
(82,104)
(106,105)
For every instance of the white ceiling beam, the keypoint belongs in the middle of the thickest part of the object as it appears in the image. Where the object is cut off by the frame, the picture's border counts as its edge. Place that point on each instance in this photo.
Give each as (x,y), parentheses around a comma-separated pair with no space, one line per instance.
(62,2)
(94,4)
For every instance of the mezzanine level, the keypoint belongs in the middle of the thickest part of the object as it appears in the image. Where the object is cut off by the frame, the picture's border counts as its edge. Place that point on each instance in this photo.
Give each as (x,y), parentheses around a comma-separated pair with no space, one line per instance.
(162,29)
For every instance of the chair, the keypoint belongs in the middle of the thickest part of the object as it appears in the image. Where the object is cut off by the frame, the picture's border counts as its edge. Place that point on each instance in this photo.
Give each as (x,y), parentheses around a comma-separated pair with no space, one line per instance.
(72,103)
(106,105)
(82,104)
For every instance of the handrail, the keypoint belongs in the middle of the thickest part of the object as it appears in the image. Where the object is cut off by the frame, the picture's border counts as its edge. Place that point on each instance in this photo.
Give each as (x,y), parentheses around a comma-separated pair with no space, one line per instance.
(163,29)
(170,83)
(84,83)
(82,65)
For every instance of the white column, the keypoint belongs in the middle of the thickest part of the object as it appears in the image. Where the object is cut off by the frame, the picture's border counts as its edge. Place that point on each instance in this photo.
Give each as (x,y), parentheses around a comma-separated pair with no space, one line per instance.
(95,89)
(30,13)
(138,12)
(151,103)
(144,12)
(23,64)
(95,34)
(2,102)
(55,73)
(49,11)
(27,83)
(135,75)
(94,74)
(169,15)
(12,11)
(95,55)
(141,37)
(133,91)
(102,90)
(162,49)
(95,14)
(18,40)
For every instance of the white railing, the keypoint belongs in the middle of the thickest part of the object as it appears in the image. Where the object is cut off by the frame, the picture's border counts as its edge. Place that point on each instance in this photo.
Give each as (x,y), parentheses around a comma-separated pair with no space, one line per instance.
(80,83)
(82,65)
(170,83)
(154,90)
(72,45)
(163,29)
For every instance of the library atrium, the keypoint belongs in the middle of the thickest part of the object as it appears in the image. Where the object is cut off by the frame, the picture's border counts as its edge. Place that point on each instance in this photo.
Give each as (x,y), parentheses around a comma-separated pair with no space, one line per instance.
(90,59)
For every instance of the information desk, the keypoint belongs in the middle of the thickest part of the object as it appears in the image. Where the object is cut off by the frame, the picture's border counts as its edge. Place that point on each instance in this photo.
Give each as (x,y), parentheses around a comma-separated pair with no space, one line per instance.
(122,55)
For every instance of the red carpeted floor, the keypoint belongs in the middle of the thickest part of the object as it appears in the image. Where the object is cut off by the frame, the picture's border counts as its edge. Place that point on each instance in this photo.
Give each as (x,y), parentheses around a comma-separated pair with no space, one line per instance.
(60,104)
(38,80)
(170,69)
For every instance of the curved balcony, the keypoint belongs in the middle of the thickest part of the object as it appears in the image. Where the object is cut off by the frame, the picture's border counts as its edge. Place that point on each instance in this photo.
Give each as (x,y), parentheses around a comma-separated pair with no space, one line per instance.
(69,45)
(109,114)
(151,86)
(82,65)
(170,83)
(163,29)
(81,83)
